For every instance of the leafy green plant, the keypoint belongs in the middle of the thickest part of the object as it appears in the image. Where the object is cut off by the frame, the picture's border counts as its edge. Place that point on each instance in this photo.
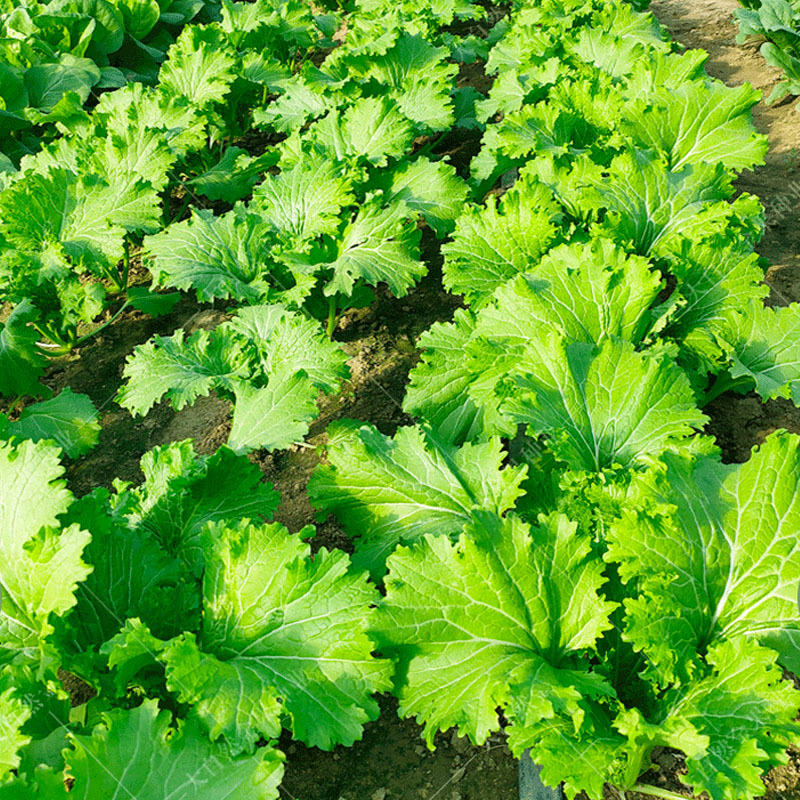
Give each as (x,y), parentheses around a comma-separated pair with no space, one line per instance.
(272,363)
(69,420)
(108,176)
(777,21)
(686,667)
(55,55)
(622,602)
(256,633)
(556,537)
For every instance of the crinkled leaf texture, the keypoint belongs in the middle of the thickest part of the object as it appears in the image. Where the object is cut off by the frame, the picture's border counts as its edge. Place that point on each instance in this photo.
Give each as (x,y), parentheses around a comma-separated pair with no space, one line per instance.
(500,618)
(381,245)
(387,491)
(147,555)
(493,243)
(714,552)
(282,634)
(716,279)
(181,368)
(140,754)
(30,711)
(14,713)
(601,406)
(307,199)
(438,392)
(219,257)
(273,362)
(648,204)
(181,493)
(589,291)
(763,345)
(733,721)
(699,122)
(40,564)
(430,188)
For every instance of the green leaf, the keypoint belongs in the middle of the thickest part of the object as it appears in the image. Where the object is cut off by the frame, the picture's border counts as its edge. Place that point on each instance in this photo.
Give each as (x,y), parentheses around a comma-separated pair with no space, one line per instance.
(533,130)
(14,713)
(219,257)
(272,360)
(181,495)
(278,624)
(299,102)
(372,128)
(591,292)
(46,84)
(306,200)
(200,66)
(716,279)
(70,420)
(275,416)
(473,629)
(286,343)
(140,752)
(390,491)
(234,176)
(747,711)
(155,304)
(132,576)
(763,345)
(647,203)
(32,725)
(432,189)
(437,392)
(496,242)
(40,565)
(21,363)
(83,217)
(602,406)
(698,122)
(130,653)
(733,722)
(181,369)
(421,80)
(381,245)
(139,16)
(711,550)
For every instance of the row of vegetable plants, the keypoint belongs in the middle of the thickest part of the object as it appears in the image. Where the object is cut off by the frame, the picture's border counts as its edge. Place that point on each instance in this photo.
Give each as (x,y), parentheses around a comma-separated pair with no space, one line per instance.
(104,586)
(618,588)
(555,537)
(315,235)
(776,24)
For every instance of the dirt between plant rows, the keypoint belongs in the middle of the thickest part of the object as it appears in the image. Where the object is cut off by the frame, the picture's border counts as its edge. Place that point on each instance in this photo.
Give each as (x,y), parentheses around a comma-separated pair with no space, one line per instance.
(391,762)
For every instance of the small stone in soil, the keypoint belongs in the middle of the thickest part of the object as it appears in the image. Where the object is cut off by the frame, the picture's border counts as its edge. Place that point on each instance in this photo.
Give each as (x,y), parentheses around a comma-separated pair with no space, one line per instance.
(459,743)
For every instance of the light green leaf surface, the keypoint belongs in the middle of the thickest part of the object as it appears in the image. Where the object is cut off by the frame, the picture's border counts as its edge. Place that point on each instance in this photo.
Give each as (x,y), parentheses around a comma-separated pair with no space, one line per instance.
(40,564)
(713,552)
(601,406)
(500,614)
(278,624)
(390,491)
(69,419)
(138,753)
